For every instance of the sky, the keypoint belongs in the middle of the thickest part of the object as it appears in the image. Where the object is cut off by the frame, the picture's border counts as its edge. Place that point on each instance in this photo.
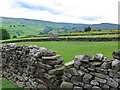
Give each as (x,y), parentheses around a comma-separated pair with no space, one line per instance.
(69,11)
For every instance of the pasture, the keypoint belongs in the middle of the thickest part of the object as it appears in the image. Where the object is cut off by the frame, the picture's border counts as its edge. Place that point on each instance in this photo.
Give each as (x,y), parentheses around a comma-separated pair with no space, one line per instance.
(68,49)
(6,85)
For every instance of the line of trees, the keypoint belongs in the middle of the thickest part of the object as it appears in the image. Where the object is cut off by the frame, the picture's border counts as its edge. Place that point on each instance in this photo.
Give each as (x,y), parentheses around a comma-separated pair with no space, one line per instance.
(17,25)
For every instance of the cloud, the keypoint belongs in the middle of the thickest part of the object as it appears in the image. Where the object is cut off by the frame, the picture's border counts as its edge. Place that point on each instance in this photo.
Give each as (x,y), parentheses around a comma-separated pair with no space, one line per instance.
(91,18)
(72,11)
(40,7)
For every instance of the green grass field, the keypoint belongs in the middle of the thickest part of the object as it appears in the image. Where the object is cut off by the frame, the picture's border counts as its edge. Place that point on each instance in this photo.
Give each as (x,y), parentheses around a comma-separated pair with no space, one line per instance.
(7,84)
(69,49)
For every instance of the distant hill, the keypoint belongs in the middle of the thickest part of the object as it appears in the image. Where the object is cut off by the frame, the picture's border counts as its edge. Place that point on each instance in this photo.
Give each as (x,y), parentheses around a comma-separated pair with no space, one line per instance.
(23,27)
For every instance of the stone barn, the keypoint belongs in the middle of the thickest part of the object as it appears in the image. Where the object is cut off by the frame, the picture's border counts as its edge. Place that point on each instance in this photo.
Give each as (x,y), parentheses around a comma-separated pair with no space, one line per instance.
(53,35)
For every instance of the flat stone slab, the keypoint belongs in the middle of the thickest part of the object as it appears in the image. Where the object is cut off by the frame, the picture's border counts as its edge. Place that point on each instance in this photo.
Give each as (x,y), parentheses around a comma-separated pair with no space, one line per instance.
(94,82)
(112,83)
(96,88)
(44,66)
(56,71)
(69,64)
(53,62)
(88,76)
(77,88)
(101,75)
(96,63)
(51,57)
(79,57)
(100,80)
(66,85)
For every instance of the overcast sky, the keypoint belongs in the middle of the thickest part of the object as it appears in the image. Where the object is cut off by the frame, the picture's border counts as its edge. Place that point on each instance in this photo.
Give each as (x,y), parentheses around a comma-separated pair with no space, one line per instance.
(72,11)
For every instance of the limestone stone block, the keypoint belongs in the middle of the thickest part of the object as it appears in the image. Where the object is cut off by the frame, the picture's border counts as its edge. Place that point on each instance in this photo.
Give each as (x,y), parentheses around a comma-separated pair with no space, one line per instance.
(116,54)
(112,83)
(66,85)
(94,82)
(96,88)
(100,80)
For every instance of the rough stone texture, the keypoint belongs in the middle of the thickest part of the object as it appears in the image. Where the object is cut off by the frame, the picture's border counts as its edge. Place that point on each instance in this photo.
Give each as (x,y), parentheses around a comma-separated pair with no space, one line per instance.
(94,82)
(105,87)
(116,64)
(67,85)
(77,88)
(99,57)
(87,86)
(96,88)
(93,73)
(112,83)
(32,66)
(100,80)
(38,68)
(106,65)
(116,54)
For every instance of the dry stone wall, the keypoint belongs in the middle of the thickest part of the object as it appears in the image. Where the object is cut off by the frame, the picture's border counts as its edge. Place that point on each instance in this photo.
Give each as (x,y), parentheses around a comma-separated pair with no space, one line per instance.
(93,73)
(32,66)
(66,39)
(36,67)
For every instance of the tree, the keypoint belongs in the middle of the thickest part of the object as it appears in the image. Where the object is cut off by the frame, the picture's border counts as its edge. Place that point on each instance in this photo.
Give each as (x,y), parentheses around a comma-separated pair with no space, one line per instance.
(18,33)
(14,36)
(10,25)
(87,29)
(4,33)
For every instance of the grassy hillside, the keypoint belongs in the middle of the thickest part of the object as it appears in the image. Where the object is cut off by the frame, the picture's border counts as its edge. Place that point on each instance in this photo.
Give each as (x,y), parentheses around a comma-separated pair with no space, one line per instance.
(24,27)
